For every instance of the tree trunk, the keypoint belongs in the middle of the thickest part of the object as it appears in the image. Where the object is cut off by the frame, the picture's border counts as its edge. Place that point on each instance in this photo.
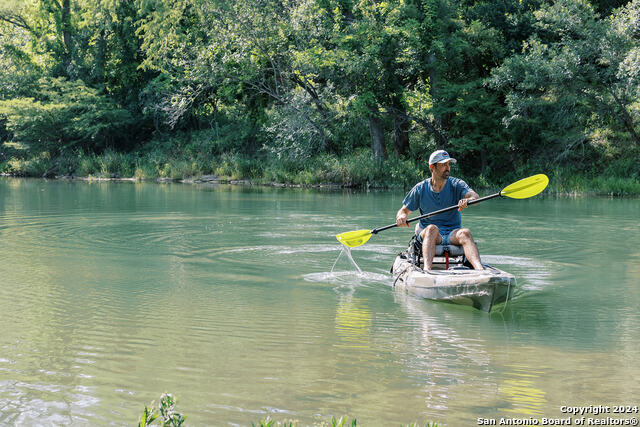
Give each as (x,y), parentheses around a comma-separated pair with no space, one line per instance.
(66,34)
(376,131)
(101,52)
(483,162)
(400,135)
(440,137)
(440,121)
(434,92)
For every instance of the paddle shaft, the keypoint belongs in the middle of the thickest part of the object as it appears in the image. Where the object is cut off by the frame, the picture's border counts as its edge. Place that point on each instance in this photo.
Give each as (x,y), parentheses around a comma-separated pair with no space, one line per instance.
(434,213)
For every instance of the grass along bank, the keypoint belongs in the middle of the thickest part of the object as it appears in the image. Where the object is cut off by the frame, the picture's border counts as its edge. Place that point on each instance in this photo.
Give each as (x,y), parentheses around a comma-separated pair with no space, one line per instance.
(355,170)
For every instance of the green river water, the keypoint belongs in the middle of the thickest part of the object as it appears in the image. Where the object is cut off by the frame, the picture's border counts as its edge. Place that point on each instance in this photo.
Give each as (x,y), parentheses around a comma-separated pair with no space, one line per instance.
(224,296)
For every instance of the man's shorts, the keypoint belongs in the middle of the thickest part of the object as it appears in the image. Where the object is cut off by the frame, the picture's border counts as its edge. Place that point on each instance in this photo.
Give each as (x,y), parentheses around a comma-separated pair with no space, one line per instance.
(445,234)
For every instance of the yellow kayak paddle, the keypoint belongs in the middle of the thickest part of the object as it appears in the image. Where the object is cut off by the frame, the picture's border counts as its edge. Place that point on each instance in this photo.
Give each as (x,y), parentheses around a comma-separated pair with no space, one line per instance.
(525,188)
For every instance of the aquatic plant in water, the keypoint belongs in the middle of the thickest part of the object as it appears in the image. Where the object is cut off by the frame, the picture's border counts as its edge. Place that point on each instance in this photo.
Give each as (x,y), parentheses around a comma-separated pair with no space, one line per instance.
(340,422)
(170,418)
(168,415)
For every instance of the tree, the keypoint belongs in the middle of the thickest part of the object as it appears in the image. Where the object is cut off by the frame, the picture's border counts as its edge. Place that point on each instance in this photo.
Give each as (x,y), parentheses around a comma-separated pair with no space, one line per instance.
(571,79)
(93,42)
(65,115)
(242,56)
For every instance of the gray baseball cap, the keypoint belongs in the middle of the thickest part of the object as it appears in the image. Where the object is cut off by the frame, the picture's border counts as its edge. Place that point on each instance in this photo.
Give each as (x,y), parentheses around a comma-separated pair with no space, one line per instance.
(441,156)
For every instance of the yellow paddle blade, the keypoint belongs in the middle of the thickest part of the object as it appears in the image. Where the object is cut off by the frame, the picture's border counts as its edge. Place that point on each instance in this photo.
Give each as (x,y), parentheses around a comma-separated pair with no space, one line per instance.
(527,187)
(354,239)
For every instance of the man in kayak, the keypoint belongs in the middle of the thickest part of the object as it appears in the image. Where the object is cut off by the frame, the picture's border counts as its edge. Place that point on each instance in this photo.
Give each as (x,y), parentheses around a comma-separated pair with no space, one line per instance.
(435,193)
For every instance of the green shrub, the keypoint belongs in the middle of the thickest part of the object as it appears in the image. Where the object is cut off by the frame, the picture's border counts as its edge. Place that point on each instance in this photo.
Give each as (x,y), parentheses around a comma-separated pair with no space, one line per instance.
(401,173)
(180,169)
(167,416)
(65,114)
(112,163)
(339,422)
(35,166)
(88,165)
(164,412)
(237,166)
(144,170)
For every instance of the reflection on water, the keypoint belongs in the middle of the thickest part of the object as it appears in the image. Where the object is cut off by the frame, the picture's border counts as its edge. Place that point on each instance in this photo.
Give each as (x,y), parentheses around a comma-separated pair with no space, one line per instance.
(353,322)
(239,302)
(520,392)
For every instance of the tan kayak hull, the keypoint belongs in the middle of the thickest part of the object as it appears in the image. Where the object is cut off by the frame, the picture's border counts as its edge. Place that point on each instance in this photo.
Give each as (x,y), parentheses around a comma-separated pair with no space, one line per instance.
(482,289)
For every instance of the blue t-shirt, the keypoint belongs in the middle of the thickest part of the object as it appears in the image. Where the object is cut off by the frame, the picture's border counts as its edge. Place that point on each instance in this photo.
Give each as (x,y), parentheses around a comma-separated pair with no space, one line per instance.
(424,198)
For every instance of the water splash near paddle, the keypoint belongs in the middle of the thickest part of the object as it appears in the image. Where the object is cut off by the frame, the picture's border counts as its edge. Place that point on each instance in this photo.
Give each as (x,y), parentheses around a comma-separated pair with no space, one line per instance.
(347,250)
(349,277)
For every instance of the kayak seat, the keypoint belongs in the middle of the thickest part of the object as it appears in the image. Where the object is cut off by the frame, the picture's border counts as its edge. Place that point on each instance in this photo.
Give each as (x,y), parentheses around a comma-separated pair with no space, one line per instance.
(445,255)
(454,250)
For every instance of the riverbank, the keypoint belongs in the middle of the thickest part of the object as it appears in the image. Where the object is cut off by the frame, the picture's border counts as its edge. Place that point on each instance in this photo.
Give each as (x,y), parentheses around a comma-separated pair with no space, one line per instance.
(358,170)
(561,187)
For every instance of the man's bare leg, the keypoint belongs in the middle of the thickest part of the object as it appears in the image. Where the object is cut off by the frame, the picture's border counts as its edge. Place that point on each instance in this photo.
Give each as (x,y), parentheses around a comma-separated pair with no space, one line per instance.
(462,237)
(430,238)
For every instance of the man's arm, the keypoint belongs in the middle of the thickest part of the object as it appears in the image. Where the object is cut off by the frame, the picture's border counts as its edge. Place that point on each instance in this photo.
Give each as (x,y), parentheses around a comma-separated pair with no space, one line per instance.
(463,203)
(471,195)
(402,215)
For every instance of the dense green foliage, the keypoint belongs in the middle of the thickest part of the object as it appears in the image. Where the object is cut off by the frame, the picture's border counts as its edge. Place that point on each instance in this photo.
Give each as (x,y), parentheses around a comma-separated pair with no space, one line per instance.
(349,92)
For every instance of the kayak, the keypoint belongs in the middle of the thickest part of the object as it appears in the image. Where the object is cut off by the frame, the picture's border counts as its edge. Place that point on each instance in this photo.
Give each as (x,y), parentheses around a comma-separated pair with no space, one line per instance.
(453,281)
